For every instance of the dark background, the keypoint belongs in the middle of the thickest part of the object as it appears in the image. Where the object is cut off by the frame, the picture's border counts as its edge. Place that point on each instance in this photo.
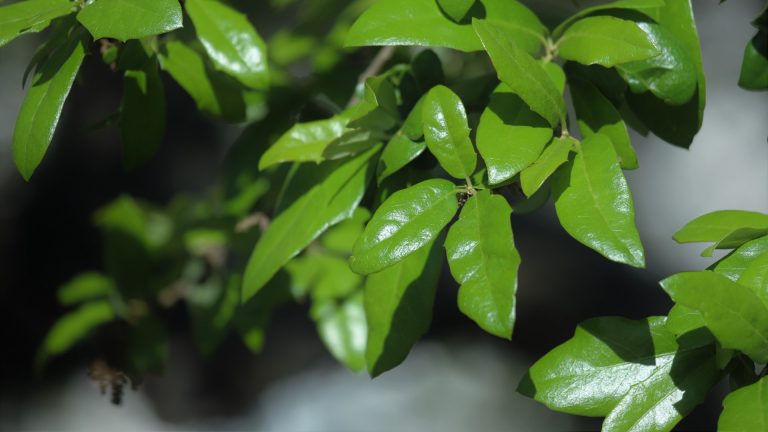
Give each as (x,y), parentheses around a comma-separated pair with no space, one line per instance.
(458,378)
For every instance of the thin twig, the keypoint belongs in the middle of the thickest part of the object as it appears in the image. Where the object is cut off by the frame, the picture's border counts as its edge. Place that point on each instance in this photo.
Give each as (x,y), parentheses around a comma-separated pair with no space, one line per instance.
(378,62)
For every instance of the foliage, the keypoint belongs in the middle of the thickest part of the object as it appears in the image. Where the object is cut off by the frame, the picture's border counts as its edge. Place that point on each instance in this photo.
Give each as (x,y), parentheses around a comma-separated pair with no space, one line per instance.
(453,154)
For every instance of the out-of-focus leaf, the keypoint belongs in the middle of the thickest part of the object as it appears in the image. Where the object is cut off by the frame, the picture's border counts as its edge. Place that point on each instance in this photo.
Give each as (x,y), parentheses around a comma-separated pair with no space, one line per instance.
(142,114)
(85,286)
(326,194)
(74,327)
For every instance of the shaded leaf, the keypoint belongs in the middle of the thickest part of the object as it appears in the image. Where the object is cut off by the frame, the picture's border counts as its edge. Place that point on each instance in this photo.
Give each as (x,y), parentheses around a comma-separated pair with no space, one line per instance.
(142,114)
(398,153)
(398,307)
(326,194)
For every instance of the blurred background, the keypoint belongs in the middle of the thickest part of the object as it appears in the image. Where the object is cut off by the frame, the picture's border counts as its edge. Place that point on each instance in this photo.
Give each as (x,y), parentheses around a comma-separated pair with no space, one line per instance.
(458,378)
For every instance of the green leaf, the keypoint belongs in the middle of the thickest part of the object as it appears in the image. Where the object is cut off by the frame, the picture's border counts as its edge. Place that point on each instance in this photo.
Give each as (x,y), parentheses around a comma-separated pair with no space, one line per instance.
(596,115)
(421,22)
(718,225)
(755,276)
(412,126)
(670,76)
(74,327)
(231,41)
(456,9)
(483,259)
(398,153)
(556,74)
(746,409)
(343,329)
(42,106)
(406,222)
(85,286)
(734,264)
(213,92)
(304,142)
(521,72)
(334,279)
(510,137)
(732,312)
(341,238)
(142,114)
(212,307)
(675,124)
(30,16)
(594,204)
(619,4)
(550,160)
(605,40)
(447,132)
(353,142)
(326,195)
(398,307)
(682,319)
(754,67)
(632,372)
(130,19)
(254,315)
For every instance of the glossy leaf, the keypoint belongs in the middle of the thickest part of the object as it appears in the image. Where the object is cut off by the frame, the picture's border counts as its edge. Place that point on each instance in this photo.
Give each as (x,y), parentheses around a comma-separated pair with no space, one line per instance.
(632,372)
(754,67)
(343,329)
(555,155)
(74,327)
(715,226)
(130,19)
(734,264)
(733,312)
(675,124)
(605,40)
(670,76)
(42,106)
(304,142)
(447,133)
(30,16)
(398,307)
(594,204)
(325,195)
(421,22)
(85,286)
(510,137)
(398,153)
(231,41)
(521,72)
(641,5)
(142,114)
(406,222)
(746,409)
(682,319)
(596,114)
(483,259)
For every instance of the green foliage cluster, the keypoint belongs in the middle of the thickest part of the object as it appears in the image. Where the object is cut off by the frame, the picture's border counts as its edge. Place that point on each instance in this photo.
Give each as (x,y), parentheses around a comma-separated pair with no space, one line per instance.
(353,210)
